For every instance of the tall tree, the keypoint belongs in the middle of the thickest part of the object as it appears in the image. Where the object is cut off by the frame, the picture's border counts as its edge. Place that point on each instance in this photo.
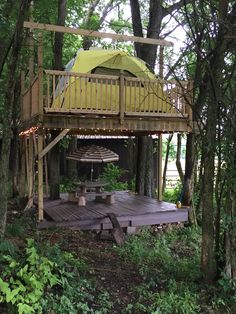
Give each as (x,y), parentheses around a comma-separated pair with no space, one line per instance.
(12,78)
(158,10)
(54,168)
(212,47)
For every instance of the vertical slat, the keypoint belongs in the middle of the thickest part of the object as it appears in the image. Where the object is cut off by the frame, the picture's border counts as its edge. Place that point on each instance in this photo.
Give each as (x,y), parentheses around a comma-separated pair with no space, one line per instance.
(96,93)
(121,97)
(148,94)
(101,95)
(135,99)
(69,91)
(86,92)
(63,101)
(53,87)
(131,108)
(48,91)
(76,94)
(80,93)
(90,98)
(106,94)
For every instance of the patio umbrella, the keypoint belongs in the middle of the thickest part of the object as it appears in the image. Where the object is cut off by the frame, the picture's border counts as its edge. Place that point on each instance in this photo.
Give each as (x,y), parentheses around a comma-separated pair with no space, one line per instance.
(93,154)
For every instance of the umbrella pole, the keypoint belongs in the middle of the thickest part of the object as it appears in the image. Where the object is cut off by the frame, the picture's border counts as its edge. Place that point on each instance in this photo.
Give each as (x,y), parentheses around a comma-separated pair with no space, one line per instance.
(91,176)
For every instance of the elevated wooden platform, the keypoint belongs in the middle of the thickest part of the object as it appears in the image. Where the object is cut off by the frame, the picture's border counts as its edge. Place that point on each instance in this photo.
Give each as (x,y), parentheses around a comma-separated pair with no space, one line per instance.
(131,210)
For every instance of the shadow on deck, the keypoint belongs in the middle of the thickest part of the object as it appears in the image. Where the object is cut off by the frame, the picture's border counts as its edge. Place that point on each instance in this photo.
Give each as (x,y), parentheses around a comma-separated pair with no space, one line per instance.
(130,210)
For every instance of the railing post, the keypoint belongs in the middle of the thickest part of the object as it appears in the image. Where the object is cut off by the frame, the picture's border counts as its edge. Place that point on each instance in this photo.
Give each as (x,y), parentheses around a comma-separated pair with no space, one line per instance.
(121,97)
(40,74)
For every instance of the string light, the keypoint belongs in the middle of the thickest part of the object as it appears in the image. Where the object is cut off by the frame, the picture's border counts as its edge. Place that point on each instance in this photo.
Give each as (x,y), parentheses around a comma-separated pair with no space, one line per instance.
(29,131)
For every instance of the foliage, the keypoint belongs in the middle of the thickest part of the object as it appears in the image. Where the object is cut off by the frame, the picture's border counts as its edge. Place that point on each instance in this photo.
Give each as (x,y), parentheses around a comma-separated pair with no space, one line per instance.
(22,283)
(45,279)
(173,195)
(225,294)
(68,184)
(169,266)
(111,175)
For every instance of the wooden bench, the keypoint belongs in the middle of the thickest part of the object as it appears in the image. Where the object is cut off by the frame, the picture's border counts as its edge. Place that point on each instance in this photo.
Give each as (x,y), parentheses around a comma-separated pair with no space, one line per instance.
(74,196)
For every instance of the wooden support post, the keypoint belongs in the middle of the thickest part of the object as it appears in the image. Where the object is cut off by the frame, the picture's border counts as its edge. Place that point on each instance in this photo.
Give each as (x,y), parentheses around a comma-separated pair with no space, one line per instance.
(46,172)
(121,97)
(40,177)
(159,168)
(40,131)
(27,161)
(40,74)
(31,171)
(22,166)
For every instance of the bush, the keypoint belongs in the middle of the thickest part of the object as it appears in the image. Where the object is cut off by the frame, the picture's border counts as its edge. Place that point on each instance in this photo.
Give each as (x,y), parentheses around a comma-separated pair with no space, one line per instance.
(112,175)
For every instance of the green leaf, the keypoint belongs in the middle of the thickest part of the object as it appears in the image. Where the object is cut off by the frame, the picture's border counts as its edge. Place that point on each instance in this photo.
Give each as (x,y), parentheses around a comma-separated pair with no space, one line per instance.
(25,308)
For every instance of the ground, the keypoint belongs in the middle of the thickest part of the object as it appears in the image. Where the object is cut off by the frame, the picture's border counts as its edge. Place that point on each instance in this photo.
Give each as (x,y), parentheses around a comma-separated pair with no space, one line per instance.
(105,266)
(159,269)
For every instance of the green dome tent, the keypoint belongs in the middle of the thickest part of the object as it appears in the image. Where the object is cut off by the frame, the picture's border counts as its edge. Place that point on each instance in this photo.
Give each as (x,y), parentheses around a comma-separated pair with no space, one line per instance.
(86,93)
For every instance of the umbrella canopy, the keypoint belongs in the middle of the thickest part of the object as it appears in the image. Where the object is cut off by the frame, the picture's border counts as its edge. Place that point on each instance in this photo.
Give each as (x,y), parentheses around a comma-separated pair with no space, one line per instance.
(93,154)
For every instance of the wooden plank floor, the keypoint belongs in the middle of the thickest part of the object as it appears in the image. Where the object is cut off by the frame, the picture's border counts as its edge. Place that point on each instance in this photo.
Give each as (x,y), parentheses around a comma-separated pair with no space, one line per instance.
(130,209)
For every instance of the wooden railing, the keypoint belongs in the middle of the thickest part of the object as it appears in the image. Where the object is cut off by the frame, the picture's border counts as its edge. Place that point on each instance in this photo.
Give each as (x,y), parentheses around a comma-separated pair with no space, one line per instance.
(102,94)
(67,92)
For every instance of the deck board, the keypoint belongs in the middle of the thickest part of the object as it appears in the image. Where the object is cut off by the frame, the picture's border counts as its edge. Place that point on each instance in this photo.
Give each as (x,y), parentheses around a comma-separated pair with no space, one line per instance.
(130,209)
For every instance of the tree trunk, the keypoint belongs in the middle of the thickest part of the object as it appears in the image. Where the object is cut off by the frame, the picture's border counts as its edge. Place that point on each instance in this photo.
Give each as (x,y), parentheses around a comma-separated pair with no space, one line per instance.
(148,53)
(166,161)
(8,105)
(178,157)
(59,36)
(189,170)
(54,165)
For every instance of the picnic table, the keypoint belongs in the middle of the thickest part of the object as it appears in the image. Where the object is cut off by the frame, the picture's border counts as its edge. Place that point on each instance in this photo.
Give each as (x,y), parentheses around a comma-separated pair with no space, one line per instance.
(90,189)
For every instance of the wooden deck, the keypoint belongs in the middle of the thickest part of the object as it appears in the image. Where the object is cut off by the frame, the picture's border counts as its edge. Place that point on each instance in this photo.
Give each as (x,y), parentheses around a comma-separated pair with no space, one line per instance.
(131,210)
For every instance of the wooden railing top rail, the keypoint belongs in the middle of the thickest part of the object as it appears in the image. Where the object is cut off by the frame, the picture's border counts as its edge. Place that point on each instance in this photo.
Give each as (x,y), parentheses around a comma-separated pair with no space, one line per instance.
(86,75)
(115,77)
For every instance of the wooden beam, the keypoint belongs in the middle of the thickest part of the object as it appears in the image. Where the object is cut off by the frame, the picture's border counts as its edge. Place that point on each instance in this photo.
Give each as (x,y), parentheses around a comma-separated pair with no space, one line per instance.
(53,143)
(86,32)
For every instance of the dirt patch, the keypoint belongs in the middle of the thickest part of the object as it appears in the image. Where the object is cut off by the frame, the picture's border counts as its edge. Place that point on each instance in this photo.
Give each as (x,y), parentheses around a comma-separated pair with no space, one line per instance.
(105,266)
